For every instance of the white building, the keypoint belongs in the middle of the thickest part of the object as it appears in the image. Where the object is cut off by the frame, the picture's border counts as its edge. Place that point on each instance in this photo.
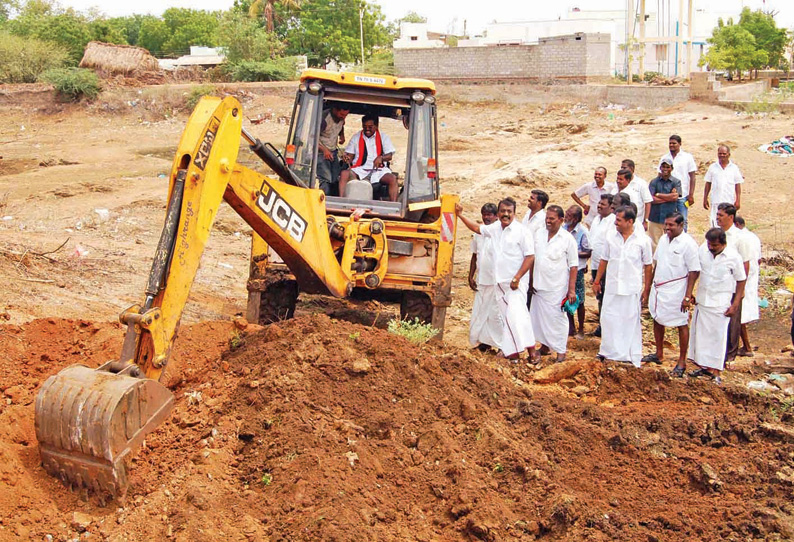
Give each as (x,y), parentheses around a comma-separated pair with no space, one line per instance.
(663,52)
(417,36)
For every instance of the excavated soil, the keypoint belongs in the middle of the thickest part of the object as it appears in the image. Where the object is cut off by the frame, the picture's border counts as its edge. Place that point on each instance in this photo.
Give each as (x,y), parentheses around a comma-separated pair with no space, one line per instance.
(316,429)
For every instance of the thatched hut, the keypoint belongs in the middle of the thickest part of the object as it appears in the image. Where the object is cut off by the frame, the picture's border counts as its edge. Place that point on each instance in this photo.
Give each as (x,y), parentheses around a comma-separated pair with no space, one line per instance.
(109,59)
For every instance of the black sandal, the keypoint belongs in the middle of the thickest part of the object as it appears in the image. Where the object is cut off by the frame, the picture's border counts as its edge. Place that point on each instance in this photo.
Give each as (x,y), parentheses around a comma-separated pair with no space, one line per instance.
(678,371)
(651,358)
(700,372)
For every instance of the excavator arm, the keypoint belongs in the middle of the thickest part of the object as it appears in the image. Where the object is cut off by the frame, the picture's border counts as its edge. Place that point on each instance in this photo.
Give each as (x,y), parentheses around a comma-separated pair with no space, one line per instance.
(88,421)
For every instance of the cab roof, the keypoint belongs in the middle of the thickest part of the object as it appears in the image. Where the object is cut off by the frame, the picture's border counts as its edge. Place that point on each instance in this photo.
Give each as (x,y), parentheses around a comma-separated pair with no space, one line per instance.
(370,80)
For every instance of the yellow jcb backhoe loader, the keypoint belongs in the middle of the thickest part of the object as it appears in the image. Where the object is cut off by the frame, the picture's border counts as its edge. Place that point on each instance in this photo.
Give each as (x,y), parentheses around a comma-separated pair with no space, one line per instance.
(88,421)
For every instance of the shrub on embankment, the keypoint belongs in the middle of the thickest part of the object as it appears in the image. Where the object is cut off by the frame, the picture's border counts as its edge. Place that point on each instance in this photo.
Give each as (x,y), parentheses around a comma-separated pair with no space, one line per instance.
(23,60)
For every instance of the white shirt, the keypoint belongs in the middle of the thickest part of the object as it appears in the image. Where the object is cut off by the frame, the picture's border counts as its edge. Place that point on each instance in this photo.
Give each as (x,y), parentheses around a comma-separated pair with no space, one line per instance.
(626,260)
(593,193)
(718,276)
(739,242)
(482,247)
(639,194)
(553,260)
(510,246)
(755,245)
(683,165)
(723,182)
(372,147)
(675,259)
(536,221)
(598,232)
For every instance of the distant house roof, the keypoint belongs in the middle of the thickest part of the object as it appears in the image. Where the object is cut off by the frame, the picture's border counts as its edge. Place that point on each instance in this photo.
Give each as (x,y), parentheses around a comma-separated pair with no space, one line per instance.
(199,56)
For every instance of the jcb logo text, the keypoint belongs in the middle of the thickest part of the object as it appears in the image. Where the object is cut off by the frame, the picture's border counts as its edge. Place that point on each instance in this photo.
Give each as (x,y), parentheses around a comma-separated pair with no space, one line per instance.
(282,214)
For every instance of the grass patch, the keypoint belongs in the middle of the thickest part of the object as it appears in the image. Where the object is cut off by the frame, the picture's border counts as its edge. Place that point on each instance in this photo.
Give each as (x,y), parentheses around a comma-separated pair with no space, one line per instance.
(73,83)
(282,69)
(197,93)
(414,330)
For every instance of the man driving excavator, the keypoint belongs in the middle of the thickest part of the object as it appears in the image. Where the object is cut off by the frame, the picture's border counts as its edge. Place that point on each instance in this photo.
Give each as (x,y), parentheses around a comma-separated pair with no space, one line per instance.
(367,152)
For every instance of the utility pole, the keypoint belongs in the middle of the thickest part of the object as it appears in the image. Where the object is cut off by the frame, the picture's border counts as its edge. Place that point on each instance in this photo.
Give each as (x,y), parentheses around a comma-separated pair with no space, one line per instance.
(689,44)
(361,33)
(642,39)
(630,18)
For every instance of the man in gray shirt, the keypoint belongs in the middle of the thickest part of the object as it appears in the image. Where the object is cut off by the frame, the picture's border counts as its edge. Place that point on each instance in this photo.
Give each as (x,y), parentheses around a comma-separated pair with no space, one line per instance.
(665,191)
(332,134)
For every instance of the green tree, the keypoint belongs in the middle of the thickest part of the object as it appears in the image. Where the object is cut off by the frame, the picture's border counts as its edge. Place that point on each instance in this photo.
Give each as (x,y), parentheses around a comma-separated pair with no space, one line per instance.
(733,48)
(103,30)
(129,27)
(244,38)
(412,17)
(188,27)
(152,34)
(7,7)
(328,30)
(768,37)
(267,9)
(46,21)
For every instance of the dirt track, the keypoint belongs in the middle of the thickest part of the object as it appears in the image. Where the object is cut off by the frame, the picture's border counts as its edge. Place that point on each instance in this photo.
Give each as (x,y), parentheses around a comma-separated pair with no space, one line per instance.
(450,445)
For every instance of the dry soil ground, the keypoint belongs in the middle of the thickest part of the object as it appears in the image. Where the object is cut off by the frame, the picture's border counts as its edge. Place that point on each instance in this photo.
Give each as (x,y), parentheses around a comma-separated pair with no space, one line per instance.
(279,435)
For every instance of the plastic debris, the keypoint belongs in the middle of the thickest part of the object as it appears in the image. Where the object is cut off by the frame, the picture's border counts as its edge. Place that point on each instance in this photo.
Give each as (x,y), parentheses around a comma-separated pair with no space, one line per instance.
(80,251)
(104,214)
(779,147)
(761,385)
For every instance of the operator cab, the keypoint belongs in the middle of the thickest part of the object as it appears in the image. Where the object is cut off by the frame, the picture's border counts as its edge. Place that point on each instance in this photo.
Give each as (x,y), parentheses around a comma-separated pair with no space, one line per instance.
(407,112)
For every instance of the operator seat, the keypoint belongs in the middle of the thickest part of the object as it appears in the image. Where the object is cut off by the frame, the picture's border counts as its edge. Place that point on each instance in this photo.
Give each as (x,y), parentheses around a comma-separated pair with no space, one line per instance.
(358,189)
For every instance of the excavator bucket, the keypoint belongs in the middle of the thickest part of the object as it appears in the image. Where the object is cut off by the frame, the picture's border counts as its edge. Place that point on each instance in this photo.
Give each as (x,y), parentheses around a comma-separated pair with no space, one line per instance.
(89,420)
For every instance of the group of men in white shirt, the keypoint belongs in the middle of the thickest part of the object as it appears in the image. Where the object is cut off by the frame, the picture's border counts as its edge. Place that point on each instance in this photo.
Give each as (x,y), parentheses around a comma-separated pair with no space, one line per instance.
(542,260)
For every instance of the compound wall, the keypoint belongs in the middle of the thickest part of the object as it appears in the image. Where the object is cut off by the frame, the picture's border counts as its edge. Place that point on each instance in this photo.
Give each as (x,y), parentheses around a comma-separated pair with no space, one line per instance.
(576,58)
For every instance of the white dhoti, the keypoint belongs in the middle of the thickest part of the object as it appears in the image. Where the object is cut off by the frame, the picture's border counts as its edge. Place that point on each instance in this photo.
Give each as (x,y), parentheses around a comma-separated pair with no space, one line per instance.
(621,328)
(549,323)
(665,300)
(708,337)
(517,334)
(486,318)
(750,311)
(371,175)
(713,215)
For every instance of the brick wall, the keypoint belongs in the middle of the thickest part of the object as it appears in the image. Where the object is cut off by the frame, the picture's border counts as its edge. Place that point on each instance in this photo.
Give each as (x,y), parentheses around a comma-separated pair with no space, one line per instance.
(578,58)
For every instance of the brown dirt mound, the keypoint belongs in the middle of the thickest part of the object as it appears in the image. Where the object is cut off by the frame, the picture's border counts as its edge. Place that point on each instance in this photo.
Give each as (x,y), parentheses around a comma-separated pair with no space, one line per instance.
(315,429)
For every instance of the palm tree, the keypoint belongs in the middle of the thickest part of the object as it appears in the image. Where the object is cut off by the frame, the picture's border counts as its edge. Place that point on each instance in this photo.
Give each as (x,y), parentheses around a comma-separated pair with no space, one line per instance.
(267,7)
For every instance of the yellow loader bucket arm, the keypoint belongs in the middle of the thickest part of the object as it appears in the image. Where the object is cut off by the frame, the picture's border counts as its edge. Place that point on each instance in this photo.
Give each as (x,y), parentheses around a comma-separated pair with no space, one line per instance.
(88,421)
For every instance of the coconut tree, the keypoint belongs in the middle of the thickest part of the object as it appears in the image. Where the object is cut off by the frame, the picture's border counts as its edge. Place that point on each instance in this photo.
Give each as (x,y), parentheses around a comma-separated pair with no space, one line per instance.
(267,8)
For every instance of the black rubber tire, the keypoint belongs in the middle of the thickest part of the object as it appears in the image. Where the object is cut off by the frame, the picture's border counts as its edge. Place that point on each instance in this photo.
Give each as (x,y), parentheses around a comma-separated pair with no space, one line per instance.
(416,305)
(278,301)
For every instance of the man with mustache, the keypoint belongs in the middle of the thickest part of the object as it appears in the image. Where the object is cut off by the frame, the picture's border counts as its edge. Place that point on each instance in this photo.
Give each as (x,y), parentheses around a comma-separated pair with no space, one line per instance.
(513,252)
(721,288)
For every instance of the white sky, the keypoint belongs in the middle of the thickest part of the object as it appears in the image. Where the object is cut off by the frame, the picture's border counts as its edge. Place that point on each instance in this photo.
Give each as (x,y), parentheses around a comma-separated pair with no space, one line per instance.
(448,15)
